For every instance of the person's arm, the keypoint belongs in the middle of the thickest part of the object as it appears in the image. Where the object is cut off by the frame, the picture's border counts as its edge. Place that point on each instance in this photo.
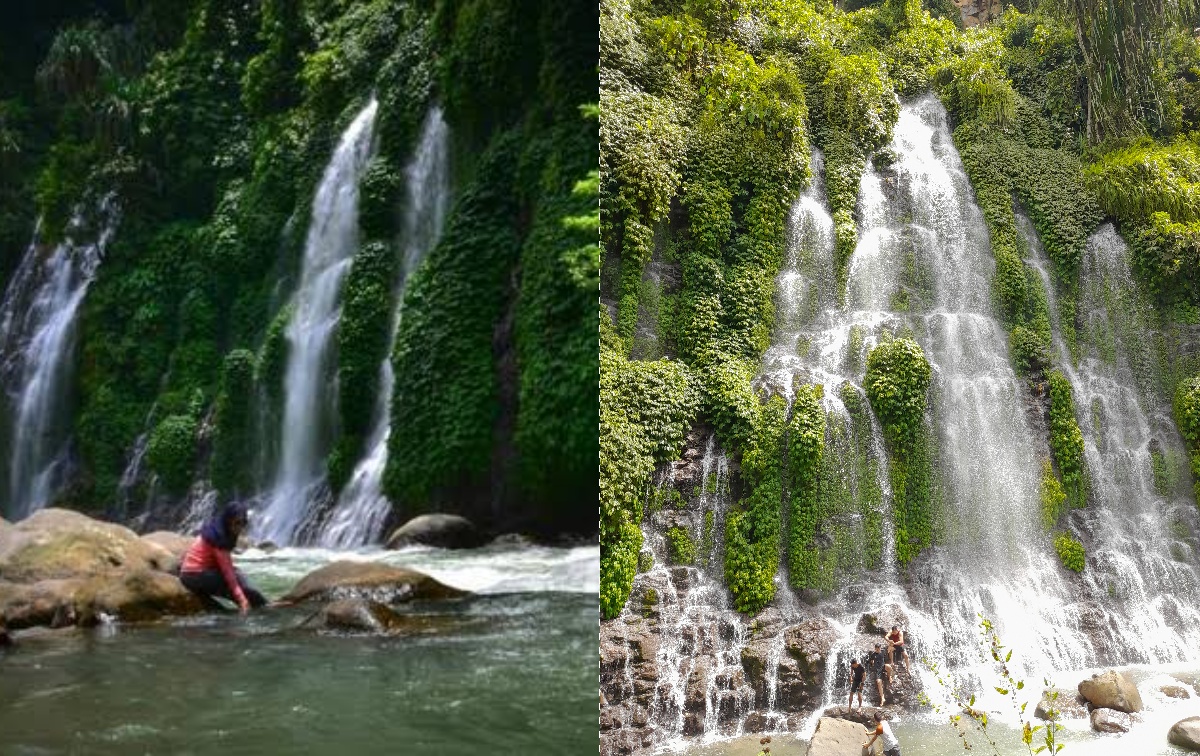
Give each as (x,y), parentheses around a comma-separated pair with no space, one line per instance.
(901,641)
(225,563)
(874,736)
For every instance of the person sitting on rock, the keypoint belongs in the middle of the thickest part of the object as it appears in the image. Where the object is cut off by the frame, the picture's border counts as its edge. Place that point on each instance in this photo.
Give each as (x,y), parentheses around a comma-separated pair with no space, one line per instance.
(891,746)
(856,672)
(207,567)
(895,641)
(879,668)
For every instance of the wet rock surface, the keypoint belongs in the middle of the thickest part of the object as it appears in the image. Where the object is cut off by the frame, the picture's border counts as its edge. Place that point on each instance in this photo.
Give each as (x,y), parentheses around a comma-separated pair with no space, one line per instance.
(1186,734)
(369,580)
(445,531)
(1111,690)
(1067,704)
(840,737)
(60,568)
(1111,720)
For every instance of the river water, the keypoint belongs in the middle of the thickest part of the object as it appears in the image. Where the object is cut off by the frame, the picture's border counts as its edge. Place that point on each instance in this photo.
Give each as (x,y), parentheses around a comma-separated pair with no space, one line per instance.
(927,734)
(510,670)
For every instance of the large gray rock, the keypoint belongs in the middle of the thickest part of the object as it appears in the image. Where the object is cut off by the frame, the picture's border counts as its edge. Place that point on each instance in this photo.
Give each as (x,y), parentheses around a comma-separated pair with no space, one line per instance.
(59,543)
(371,580)
(1067,703)
(1111,720)
(1186,734)
(1174,691)
(138,595)
(1111,690)
(840,737)
(444,530)
(173,543)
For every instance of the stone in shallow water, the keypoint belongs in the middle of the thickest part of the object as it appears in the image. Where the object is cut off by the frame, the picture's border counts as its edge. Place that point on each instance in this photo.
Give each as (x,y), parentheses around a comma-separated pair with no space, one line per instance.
(1174,691)
(370,580)
(443,530)
(1186,734)
(1111,690)
(1110,720)
(58,543)
(1068,703)
(840,737)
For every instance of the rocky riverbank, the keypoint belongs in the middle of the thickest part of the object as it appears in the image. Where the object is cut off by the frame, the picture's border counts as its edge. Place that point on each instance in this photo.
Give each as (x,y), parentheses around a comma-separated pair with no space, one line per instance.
(60,568)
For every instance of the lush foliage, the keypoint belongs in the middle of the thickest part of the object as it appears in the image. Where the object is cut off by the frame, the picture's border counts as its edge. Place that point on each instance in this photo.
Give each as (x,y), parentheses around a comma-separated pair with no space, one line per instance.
(682,547)
(806,443)
(1070,552)
(1187,415)
(1066,440)
(209,122)
(752,529)
(171,451)
(897,385)
(645,411)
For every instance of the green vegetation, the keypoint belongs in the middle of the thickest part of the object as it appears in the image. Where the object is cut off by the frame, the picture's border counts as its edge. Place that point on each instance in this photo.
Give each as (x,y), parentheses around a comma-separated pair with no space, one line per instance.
(1187,415)
(1070,552)
(752,529)
(646,409)
(1066,441)
(208,123)
(682,547)
(171,451)
(897,386)
(806,443)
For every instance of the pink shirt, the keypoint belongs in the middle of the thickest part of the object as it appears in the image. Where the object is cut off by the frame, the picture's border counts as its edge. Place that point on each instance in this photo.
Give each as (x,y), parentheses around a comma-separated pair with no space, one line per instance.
(202,555)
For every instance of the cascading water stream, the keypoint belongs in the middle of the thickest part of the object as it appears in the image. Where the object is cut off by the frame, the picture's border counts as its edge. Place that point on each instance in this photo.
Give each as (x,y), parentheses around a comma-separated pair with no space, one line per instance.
(362,508)
(37,338)
(308,410)
(1139,518)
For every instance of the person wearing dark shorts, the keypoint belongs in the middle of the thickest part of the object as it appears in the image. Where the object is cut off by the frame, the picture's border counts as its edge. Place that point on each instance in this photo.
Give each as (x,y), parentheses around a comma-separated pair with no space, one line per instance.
(895,641)
(856,684)
(879,670)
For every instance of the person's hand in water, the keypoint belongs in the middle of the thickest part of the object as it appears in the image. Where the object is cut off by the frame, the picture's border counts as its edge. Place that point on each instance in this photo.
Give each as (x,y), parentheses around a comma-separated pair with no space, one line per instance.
(243,607)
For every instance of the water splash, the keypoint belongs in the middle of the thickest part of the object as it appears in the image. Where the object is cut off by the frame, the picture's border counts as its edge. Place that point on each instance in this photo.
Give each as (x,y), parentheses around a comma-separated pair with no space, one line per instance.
(362,508)
(308,410)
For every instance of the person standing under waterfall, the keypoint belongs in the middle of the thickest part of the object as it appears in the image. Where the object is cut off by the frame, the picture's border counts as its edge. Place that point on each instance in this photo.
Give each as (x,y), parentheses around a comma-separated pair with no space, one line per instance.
(879,668)
(895,641)
(856,672)
(207,568)
(891,746)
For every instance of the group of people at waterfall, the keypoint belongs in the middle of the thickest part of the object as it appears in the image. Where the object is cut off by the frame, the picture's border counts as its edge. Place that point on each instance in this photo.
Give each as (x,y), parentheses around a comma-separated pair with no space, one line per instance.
(880,667)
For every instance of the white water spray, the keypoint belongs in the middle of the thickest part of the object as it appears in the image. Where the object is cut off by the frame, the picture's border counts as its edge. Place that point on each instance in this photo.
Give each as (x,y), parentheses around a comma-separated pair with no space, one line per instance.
(309,388)
(362,508)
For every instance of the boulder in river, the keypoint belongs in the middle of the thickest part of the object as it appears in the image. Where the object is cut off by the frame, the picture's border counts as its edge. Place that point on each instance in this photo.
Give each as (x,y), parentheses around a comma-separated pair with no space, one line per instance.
(136,595)
(370,580)
(1174,691)
(1067,703)
(174,543)
(840,737)
(59,543)
(1186,734)
(1111,720)
(1111,690)
(446,531)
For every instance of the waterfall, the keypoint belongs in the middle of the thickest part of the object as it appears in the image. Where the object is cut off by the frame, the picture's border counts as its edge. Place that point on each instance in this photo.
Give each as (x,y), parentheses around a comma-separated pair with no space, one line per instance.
(923,268)
(309,378)
(1142,515)
(362,508)
(37,339)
